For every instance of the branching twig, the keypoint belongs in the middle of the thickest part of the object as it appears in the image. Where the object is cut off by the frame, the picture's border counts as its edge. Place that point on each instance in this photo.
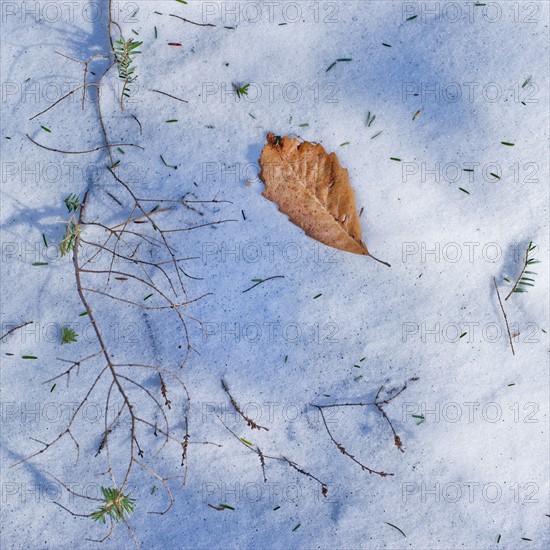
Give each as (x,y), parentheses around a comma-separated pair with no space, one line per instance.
(124,379)
(262,457)
(378,403)
(396,438)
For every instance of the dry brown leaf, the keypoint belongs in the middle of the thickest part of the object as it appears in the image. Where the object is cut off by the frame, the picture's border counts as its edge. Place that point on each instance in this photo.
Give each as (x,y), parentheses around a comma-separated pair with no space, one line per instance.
(313,190)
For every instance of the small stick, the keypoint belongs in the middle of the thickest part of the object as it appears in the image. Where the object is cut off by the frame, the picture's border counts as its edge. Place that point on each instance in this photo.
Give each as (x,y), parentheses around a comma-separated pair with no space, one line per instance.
(56,103)
(324,488)
(342,449)
(86,67)
(253,425)
(170,95)
(74,514)
(164,392)
(101,147)
(505,317)
(263,457)
(192,22)
(396,439)
(15,328)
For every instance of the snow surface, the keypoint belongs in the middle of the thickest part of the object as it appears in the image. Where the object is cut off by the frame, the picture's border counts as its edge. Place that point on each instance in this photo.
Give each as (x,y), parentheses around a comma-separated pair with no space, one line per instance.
(475,469)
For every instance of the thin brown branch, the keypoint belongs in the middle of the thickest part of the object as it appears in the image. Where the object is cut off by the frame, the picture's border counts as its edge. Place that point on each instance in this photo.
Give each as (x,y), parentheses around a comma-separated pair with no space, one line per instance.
(250,423)
(100,148)
(262,457)
(378,403)
(192,22)
(170,95)
(15,328)
(342,449)
(505,317)
(57,102)
(324,488)
(396,439)
(197,226)
(164,392)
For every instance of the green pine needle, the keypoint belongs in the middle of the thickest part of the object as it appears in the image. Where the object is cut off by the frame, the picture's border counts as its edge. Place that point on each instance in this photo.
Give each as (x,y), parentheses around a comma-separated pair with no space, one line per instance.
(395,527)
(370,119)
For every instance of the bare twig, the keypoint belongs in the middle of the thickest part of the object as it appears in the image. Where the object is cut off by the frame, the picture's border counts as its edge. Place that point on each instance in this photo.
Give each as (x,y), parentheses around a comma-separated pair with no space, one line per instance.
(262,457)
(505,317)
(170,95)
(164,392)
(15,328)
(396,439)
(192,22)
(378,403)
(250,423)
(57,102)
(342,449)
(101,147)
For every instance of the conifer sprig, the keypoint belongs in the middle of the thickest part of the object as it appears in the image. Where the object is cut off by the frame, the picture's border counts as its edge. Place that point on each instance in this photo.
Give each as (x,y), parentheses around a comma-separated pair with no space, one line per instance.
(116,506)
(71,231)
(68,335)
(241,90)
(72,202)
(125,50)
(526,277)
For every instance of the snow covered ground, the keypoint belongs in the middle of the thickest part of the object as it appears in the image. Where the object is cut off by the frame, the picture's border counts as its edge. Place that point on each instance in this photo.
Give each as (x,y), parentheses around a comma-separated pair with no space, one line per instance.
(447,82)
